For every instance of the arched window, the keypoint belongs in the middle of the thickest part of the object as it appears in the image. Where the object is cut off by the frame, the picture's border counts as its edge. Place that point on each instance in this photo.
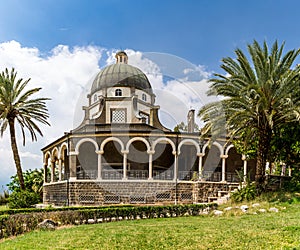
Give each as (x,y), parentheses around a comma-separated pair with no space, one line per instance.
(144,97)
(118,92)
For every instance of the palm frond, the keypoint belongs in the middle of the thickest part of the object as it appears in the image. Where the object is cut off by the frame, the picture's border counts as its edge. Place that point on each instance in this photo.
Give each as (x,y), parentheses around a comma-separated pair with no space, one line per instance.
(17,104)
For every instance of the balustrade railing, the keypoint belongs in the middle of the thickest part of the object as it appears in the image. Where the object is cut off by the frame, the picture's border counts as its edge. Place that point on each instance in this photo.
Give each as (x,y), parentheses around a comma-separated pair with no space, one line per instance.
(157,175)
(163,175)
(211,176)
(87,174)
(188,175)
(112,174)
(217,176)
(137,174)
(232,177)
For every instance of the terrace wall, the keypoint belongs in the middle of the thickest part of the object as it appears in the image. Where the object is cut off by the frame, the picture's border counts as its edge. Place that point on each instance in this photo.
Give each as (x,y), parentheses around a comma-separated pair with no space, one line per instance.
(132,192)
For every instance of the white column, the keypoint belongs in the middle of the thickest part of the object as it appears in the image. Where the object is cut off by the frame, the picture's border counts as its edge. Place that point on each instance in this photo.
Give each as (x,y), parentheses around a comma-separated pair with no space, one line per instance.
(100,164)
(290,171)
(150,153)
(175,177)
(223,167)
(124,164)
(59,169)
(283,169)
(245,167)
(200,167)
(45,173)
(52,170)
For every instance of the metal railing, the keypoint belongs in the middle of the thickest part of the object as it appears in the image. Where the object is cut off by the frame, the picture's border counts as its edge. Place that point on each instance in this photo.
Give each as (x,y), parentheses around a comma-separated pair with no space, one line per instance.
(112,174)
(188,175)
(137,174)
(217,176)
(87,174)
(157,175)
(163,175)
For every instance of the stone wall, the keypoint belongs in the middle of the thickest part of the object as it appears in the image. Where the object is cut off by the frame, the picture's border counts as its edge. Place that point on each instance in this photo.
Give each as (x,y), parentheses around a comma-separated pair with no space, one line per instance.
(132,192)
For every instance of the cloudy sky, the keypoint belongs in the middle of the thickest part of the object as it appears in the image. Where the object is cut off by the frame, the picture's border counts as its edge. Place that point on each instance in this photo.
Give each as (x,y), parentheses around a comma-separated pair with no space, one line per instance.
(61,45)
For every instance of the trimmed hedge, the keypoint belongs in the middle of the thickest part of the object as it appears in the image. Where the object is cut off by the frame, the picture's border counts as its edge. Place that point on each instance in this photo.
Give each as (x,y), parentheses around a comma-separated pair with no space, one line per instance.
(51,209)
(18,223)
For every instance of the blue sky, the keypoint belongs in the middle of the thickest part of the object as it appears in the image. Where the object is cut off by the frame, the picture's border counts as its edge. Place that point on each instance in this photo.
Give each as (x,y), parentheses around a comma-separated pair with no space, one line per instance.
(61,45)
(201,31)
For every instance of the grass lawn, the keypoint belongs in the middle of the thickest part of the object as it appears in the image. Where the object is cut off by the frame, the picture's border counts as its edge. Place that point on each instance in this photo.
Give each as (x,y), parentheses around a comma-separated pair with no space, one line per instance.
(260,231)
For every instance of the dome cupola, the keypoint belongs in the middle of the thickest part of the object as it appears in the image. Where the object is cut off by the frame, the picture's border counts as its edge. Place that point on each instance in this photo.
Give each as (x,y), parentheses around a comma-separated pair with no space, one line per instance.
(121,74)
(122,57)
(122,94)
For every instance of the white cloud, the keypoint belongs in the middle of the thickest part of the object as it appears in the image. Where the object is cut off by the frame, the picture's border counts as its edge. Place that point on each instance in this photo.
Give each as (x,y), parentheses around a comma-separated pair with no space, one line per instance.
(29,155)
(65,75)
(62,74)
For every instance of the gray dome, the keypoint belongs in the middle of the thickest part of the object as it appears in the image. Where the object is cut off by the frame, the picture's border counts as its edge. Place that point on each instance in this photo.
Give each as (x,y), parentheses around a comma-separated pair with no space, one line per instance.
(121,75)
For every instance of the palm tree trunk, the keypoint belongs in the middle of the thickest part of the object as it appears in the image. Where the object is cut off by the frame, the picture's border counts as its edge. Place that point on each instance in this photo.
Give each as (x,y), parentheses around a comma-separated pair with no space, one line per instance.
(14,148)
(264,143)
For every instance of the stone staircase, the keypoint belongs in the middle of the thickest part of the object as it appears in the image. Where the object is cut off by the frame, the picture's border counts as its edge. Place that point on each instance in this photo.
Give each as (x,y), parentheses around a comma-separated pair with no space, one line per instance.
(222,198)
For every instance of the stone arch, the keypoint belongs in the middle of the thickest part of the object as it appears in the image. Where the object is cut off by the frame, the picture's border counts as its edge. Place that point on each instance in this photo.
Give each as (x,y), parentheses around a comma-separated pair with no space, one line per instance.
(188,141)
(233,164)
(54,164)
(205,147)
(47,166)
(47,156)
(64,161)
(188,160)
(63,146)
(219,146)
(137,150)
(163,158)
(54,154)
(111,158)
(86,140)
(228,148)
(212,162)
(138,139)
(164,139)
(86,159)
(111,139)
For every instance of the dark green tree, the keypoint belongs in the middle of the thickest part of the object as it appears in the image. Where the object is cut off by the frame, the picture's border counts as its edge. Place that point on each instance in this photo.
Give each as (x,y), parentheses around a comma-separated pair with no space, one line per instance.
(260,93)
(17,106)
(33,181)
(286,144)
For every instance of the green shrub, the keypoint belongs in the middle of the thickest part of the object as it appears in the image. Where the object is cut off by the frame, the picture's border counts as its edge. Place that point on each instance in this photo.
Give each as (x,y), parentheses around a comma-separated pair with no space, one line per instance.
(23,199)
(16,223)
(247,192)
(293,185)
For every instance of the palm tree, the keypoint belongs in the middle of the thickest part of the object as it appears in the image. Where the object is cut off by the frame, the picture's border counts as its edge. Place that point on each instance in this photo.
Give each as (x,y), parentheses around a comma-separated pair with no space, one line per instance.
(16,106)
(258,96)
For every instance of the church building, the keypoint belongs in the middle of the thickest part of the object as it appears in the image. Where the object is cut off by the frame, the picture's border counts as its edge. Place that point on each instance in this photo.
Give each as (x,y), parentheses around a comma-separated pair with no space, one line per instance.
(122,154)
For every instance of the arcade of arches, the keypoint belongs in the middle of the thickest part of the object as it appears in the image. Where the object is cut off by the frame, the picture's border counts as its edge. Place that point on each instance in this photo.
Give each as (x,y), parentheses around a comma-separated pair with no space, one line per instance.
(137,158)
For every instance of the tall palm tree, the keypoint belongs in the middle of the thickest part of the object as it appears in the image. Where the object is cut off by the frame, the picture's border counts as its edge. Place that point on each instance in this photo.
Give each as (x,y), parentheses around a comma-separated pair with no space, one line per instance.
(258,96)
(17,106)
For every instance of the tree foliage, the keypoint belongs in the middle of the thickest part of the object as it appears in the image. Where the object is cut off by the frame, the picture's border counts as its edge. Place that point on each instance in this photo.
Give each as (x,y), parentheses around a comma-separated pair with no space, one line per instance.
(23,199)
(286,144)
(182,127)
(260,93)
(33,180)
(18,106)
